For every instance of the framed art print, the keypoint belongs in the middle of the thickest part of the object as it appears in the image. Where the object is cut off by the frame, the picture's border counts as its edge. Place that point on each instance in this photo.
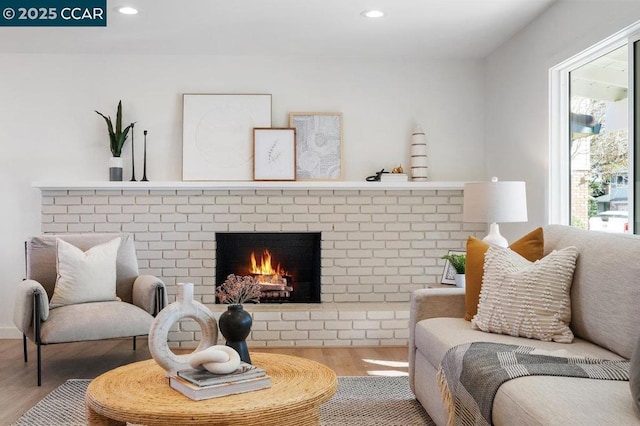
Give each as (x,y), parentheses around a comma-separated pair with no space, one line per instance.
(274,154)
(449,272)
(318,145)
(217,140)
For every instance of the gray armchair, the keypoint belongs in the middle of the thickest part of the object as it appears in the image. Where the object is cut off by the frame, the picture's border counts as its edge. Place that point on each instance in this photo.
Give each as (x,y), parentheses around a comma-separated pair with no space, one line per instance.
(142,297)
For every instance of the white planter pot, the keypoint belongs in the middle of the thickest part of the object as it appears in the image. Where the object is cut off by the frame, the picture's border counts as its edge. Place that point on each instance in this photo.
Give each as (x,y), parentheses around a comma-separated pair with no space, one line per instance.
(115,169)
(460,280)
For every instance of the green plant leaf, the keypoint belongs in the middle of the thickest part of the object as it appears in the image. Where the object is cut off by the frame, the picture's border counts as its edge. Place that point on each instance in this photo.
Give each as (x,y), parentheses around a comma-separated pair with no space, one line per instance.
(112,136)
(108,120)
(119,119)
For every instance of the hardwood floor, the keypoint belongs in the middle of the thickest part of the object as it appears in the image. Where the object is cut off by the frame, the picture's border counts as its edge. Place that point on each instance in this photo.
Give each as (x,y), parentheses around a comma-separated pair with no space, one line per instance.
(86,360)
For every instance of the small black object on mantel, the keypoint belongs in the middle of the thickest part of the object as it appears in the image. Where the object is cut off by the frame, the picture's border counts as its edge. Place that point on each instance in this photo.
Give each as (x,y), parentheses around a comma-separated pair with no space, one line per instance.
(376,177)
(144,166)
(133,158)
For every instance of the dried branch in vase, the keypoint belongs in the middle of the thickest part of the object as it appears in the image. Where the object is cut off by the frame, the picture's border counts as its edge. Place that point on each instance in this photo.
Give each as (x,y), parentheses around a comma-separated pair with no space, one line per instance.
(237,290)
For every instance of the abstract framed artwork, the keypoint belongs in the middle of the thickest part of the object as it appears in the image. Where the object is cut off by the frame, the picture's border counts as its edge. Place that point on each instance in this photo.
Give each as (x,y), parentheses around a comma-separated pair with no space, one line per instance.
(318,145)
(217,140)
(274,154)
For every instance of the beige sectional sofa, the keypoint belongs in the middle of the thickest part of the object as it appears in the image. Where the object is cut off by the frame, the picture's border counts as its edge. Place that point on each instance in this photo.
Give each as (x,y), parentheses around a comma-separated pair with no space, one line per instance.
(605,319)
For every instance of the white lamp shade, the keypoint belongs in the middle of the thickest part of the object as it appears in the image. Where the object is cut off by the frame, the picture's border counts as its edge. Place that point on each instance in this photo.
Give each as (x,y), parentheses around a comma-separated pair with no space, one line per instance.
(495,202)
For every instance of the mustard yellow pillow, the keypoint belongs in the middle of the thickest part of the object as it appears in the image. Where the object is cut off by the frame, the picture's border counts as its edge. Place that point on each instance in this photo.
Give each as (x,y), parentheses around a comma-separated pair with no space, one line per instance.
(531,247)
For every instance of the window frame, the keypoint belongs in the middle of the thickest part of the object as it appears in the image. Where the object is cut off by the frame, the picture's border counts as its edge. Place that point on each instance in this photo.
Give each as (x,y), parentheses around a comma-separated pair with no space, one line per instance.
(558,191)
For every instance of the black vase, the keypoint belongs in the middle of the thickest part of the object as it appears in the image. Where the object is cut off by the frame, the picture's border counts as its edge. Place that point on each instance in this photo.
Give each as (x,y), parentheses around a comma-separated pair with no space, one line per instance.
(235,326)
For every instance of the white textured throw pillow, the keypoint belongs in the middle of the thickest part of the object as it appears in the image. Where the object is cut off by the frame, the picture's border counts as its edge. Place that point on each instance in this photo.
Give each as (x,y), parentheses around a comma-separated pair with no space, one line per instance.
(526,299)
(85,276)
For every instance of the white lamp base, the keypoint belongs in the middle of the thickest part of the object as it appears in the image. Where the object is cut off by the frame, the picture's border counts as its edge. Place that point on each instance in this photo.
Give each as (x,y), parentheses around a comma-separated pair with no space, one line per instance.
(494,238)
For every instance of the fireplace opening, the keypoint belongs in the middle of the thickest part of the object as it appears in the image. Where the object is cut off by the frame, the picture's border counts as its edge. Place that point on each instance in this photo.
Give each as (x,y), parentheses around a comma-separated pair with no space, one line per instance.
(286,264)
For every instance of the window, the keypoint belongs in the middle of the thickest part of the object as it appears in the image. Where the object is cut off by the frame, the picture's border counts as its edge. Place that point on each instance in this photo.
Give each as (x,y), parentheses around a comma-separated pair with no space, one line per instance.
(592,164)
(598,143)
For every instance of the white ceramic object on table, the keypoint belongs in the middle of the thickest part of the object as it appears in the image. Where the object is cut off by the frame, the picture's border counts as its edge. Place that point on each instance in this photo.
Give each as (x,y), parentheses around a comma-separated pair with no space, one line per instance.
(218,359)
(184,307)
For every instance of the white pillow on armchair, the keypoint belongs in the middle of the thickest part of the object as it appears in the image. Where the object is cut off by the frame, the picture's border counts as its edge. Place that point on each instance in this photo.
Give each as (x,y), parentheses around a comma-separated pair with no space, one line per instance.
(85,276)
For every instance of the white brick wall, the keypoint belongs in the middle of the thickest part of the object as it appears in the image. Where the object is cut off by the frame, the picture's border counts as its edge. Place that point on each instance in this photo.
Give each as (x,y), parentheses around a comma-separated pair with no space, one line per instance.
(377,247)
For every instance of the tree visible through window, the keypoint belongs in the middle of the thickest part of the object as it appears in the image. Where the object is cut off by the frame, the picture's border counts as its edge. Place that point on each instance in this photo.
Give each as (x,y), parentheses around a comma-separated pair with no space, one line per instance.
(599,143)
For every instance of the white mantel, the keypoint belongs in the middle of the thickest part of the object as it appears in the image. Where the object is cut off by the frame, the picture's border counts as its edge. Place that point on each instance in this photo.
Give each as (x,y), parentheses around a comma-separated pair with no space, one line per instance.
(249,185)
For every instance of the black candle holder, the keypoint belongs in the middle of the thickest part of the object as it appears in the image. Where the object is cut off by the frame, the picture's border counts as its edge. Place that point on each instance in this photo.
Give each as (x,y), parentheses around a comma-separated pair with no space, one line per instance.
(133,158)
(144,165)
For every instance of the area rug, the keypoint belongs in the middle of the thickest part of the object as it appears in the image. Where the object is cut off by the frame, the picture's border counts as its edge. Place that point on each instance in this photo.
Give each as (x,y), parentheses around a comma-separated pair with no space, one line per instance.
(359,401)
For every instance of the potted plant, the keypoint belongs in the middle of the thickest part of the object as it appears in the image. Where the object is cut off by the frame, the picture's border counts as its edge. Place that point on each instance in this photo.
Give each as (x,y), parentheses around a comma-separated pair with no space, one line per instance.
(458,262)
(117,138)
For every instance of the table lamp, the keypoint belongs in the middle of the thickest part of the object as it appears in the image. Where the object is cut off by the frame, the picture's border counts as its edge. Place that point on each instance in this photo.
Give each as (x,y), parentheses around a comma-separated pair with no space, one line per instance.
(494,202)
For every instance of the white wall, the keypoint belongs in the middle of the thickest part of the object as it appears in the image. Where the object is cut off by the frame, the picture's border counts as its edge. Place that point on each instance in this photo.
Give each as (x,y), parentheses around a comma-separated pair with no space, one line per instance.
(517,92)
(48,130)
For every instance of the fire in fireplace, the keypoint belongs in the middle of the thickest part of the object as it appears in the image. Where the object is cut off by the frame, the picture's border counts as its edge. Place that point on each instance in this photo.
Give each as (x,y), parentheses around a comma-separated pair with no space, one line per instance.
(276,283)
(286,264)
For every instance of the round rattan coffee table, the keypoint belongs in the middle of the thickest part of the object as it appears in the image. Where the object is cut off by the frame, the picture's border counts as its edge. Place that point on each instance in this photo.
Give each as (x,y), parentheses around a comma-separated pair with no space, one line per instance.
(139,393)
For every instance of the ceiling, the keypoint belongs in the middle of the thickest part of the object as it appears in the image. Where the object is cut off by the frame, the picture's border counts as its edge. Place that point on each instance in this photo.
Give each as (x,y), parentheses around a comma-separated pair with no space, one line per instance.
(410,28)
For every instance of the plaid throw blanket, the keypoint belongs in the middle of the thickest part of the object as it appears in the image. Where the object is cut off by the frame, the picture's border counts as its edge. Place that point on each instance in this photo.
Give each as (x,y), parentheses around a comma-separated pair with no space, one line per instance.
(470,375)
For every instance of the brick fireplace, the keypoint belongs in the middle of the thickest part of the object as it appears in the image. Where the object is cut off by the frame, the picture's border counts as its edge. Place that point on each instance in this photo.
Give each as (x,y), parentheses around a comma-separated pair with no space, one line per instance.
(377,245)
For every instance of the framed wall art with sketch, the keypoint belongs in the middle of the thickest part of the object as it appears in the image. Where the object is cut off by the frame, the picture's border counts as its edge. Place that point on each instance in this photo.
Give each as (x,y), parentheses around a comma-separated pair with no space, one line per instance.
(217,134)
(318,145)
(274,154)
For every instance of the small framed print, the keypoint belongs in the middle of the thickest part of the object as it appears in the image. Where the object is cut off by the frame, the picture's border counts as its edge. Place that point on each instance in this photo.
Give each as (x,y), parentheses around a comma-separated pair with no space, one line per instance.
(319,145)
(274,153)
(449,272)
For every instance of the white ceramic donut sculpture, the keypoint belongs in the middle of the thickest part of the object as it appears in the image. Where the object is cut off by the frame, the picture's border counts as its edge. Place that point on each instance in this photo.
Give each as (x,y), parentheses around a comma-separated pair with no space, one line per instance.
(185,307)
(217,359)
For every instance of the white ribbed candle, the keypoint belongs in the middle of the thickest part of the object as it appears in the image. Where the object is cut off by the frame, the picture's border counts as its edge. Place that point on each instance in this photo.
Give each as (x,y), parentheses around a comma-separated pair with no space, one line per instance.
(418,155)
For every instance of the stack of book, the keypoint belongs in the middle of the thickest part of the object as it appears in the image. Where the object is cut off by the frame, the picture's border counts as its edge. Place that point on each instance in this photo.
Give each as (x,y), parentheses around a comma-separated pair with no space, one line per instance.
(394,177)
(202,384)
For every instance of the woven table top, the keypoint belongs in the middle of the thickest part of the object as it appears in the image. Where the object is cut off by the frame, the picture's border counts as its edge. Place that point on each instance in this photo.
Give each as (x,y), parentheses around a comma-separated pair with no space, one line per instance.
(140,393)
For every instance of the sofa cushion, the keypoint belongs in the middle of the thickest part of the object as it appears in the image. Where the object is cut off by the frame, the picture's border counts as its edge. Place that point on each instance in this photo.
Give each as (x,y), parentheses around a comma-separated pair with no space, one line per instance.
(521,298)
(530,246)
(100,320)
(85,276)
(524,398)
(634,374)
(566,401)
(435,336)
(605,290)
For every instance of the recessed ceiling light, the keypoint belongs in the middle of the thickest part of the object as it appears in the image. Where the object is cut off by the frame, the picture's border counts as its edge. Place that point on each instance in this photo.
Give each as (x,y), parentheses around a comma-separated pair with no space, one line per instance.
(128,10)
(372,14)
